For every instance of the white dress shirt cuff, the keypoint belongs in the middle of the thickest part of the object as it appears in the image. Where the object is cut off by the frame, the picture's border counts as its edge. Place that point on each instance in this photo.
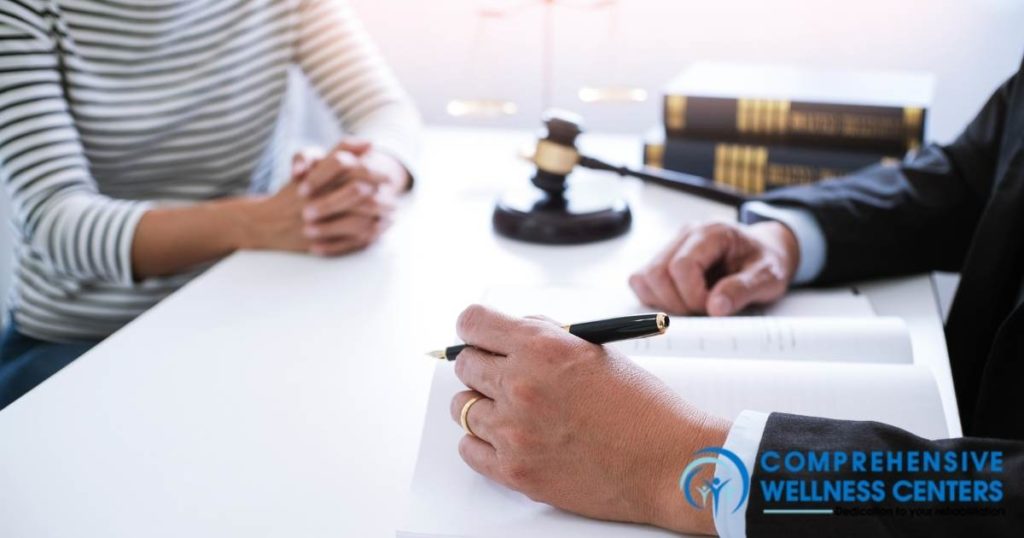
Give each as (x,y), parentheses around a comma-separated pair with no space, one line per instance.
(809,237)
(743,440)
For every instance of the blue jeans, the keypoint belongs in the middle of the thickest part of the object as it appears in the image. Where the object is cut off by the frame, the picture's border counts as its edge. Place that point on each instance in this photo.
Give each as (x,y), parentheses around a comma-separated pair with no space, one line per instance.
(26,362)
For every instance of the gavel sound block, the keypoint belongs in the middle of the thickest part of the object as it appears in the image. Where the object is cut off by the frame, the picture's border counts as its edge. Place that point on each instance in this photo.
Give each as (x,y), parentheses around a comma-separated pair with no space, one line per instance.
(553,211)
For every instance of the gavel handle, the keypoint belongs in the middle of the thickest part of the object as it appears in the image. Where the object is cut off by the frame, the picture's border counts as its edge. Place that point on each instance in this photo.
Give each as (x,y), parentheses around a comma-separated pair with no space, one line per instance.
(695,185)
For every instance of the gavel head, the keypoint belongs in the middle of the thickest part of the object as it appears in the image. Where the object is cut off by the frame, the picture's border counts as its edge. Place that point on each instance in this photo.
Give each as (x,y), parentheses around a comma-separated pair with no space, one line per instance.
(556,154)
(589,211)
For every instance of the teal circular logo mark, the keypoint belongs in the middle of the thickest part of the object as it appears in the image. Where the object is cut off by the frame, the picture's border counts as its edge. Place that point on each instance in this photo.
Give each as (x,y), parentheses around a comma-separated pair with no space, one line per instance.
(714,487)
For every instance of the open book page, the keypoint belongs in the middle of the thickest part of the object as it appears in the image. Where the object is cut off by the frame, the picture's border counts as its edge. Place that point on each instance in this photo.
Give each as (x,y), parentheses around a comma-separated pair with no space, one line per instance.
(568,304)
(826,325)
(880,339)
(449,499)
(904,396)
(837,302)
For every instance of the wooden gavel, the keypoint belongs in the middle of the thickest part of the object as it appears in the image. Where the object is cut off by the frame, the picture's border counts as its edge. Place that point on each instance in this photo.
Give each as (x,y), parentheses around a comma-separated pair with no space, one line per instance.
(556,156)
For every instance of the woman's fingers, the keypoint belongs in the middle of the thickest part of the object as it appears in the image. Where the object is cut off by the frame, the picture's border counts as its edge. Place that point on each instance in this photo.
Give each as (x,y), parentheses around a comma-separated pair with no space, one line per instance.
(335,166)
(346,234)
(356,226)
(357,146)
(304,160)
(381,204)
(337,247)
(355,197)
(345,198)
(349,161)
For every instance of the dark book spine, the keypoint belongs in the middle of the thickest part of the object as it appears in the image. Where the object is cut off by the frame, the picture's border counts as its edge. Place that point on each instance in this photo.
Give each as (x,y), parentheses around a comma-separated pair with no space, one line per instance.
(754,169)
(892,130)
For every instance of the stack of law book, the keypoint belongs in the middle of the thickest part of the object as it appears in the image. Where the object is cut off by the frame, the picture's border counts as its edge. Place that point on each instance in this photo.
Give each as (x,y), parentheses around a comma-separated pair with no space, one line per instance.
(756,128)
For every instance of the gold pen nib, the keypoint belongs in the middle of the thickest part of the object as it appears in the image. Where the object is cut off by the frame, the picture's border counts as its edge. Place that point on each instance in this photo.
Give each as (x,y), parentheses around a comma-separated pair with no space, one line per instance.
(436,354)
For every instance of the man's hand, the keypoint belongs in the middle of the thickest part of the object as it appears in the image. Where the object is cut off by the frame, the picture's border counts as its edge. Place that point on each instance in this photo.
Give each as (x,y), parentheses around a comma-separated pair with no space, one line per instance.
(719,268)
(349,195)
(575,425)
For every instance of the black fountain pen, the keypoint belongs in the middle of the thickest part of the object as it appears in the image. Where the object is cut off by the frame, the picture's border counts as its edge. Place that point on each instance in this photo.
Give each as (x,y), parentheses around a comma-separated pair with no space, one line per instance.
(595,332)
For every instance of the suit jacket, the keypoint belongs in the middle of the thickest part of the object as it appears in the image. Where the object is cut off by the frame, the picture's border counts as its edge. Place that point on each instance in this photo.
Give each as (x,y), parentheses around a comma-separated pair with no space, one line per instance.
(958,207)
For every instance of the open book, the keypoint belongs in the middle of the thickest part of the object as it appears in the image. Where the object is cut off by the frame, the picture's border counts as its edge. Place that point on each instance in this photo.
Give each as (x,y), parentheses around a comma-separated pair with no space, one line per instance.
(844,363)
(831,325)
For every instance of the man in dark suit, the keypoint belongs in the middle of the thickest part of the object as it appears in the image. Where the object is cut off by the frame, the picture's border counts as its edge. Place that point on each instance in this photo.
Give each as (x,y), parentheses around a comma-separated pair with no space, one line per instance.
(578,427)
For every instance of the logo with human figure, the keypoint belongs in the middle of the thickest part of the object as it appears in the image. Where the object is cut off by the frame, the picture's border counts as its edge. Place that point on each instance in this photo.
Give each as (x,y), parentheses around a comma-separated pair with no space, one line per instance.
(729,477)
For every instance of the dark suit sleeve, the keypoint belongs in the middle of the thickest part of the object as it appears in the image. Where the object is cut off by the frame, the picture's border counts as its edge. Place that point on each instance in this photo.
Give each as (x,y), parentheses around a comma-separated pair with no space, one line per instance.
(784,433)
(919,216)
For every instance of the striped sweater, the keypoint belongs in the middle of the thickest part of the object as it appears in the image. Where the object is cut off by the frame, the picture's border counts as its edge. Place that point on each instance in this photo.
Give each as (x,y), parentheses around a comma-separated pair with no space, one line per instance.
(108,107)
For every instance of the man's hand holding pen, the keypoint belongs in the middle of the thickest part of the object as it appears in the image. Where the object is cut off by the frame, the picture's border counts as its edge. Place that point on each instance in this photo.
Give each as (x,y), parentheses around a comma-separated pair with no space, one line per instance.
(574,424)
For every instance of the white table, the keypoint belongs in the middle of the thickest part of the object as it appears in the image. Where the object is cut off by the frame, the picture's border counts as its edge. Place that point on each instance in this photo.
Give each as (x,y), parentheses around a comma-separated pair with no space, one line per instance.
(283,395)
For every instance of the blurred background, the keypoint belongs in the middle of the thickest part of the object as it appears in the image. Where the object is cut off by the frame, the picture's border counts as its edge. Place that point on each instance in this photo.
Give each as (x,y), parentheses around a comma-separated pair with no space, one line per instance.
(444,50)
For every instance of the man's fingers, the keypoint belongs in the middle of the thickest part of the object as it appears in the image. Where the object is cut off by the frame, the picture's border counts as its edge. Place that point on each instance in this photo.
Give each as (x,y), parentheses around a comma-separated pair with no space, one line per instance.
(709,245)
(689,272)
(665,254)
(761,282)
(489,329)
(691,281)
(689,267)
(480,456)
(480,371)
(481,416)
(643,291)
(660,283)
(545,319)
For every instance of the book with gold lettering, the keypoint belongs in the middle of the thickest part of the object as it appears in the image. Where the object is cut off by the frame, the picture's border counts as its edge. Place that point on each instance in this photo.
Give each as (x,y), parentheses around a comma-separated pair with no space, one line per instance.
(755,168)
(882,112)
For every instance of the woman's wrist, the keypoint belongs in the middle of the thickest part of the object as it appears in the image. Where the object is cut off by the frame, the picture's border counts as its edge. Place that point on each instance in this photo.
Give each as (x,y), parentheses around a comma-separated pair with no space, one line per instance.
(172,239)
(390,167)
(240,215)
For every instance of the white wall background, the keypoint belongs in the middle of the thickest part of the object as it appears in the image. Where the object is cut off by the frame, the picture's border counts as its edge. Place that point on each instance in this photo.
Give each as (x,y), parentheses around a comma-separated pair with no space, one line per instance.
(440,51)
(970,45)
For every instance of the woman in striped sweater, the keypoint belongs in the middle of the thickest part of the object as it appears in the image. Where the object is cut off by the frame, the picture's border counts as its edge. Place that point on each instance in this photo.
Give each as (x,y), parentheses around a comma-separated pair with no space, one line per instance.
(137,140)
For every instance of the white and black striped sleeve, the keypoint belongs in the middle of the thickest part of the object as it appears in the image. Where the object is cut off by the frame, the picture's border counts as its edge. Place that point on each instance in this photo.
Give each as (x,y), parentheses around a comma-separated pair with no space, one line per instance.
(349,73)
(56,204)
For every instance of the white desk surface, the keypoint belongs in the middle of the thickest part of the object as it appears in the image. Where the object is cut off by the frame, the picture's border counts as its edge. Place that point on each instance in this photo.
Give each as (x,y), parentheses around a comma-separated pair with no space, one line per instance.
(283,395)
